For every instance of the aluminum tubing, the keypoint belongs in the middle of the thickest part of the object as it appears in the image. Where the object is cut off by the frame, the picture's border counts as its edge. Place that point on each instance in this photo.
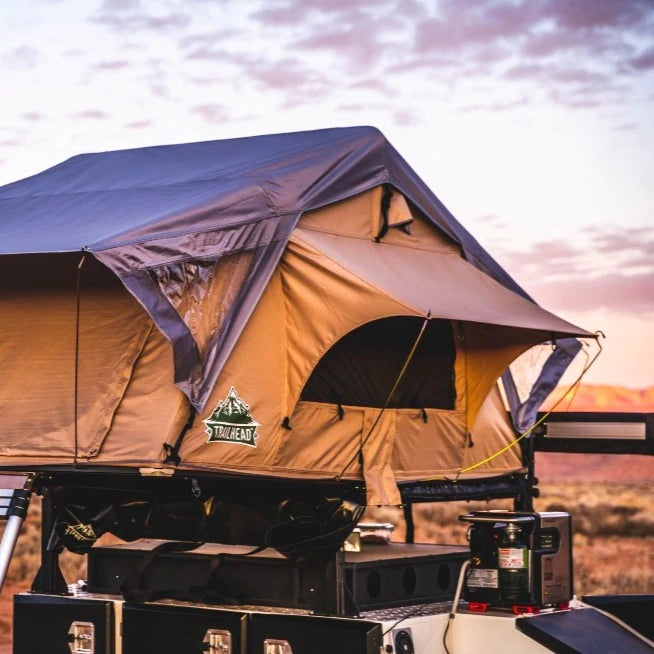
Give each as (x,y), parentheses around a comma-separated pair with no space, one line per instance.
(8,543)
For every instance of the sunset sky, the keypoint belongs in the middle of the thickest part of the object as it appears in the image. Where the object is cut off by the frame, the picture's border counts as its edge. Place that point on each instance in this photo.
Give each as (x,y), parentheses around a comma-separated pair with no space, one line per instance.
(532,120)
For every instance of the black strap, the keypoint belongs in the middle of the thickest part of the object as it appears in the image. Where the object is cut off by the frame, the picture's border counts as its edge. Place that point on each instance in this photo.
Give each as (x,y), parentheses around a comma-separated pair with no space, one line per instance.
(286,423)
(385,205)
(131,588)
(172,451)
(211,592)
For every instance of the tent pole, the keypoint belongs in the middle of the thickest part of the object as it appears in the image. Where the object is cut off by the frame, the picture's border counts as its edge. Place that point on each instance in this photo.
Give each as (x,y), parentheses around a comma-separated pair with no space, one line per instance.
(49,578)
(14,502)
(410,528)
(524,501)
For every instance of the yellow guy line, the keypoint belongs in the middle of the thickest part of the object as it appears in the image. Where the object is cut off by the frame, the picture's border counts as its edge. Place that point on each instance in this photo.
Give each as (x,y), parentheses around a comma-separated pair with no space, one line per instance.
(526,433)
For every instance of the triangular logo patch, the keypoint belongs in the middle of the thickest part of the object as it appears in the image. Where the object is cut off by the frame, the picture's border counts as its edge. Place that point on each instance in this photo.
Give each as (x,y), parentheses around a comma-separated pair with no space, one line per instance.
(231,422)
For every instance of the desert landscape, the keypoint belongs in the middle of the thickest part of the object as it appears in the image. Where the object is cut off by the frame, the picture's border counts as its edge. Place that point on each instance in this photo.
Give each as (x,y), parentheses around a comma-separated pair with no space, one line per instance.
(611,498)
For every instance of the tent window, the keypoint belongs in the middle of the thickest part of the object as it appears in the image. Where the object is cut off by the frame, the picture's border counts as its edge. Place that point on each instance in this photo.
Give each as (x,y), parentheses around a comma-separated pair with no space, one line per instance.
(361,368)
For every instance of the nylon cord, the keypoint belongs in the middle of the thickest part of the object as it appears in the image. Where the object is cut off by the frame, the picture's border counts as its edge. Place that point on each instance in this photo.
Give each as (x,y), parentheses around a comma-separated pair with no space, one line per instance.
(77,314)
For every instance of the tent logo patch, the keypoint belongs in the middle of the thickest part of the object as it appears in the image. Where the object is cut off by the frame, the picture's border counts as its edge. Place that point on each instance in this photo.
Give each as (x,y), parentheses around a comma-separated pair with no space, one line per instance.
(231,422)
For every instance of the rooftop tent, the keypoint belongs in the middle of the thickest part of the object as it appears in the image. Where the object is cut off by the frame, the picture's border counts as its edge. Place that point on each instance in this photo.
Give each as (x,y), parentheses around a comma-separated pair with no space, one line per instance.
(275,284)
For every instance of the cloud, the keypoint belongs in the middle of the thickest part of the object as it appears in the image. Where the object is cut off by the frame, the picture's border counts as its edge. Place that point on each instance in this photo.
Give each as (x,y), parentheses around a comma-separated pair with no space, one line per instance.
(494,106)
(620,292)
(357,41)
(405,117)
(286,15)
(626,127)
(138,124)
(373,84)
(208,53)
(341,39)
(602,268)
(23,56)
(493,220)
(577,48)
(463,24)
(599,14)
(206,39)
(556,74)
(645,61)
(288,74)
(213,113)
(427,63)
(116,64)
(629,241)
(126,16)
(119,5)
(90,114)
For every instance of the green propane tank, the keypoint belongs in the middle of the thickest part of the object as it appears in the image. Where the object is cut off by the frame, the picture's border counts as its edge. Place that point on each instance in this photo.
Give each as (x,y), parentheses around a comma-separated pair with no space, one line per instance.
(513,564)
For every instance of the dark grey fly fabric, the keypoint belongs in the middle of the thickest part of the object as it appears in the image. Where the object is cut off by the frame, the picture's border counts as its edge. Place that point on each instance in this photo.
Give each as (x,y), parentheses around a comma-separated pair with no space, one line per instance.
(142,209)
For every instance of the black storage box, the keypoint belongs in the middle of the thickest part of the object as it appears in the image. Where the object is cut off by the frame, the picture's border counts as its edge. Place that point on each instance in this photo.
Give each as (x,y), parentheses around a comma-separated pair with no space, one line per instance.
(311,635)
(177,628)
(379,576)
(46,623)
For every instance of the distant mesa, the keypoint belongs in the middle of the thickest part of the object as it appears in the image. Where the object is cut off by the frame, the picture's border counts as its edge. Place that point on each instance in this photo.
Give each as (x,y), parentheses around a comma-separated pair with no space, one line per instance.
(593,397)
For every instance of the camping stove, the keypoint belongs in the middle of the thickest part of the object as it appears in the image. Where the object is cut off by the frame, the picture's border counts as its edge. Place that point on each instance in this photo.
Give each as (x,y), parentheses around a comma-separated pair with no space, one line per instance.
(519,560)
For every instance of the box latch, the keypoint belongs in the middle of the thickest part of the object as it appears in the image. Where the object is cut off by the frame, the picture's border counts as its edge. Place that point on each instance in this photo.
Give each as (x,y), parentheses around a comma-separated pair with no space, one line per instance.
(81,637)
(275,646)
(217,641)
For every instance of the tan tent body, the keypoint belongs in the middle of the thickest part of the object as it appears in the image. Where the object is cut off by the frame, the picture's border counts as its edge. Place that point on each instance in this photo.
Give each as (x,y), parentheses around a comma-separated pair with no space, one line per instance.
(340,311)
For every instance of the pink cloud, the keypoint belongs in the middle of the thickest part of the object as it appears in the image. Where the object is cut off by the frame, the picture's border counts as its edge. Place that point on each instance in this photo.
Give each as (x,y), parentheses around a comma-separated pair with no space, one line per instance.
(405,117)
(112,65)
(422,63)
(599,13)
(208,53)
(213,113)
(126,16)
(629,293)
(645,61)
(91,114)
(24,56)
(373,85)
(138,124)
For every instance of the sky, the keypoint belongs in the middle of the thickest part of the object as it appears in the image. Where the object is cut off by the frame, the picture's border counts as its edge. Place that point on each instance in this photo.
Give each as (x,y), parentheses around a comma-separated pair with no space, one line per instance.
(532,120)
